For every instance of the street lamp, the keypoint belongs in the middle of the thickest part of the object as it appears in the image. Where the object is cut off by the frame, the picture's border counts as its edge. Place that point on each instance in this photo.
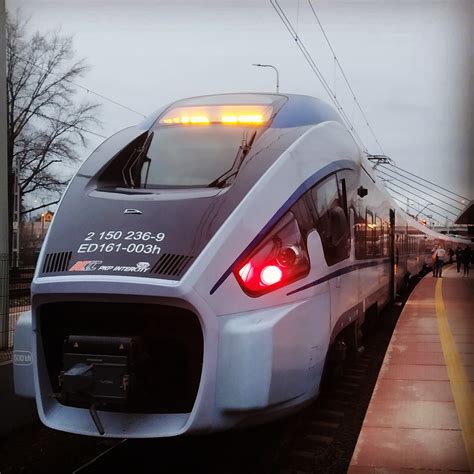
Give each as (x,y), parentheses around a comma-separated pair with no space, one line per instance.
(276,70)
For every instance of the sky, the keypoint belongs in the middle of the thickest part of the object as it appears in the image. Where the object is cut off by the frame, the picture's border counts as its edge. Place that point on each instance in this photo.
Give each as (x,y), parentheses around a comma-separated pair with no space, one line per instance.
(410,63)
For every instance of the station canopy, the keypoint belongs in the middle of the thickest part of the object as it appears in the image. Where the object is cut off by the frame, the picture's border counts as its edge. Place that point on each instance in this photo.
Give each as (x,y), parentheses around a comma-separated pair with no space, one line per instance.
(467,215)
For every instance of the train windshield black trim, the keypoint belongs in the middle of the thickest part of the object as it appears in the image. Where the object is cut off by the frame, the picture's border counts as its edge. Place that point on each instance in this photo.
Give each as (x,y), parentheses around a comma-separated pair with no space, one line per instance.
(192,156)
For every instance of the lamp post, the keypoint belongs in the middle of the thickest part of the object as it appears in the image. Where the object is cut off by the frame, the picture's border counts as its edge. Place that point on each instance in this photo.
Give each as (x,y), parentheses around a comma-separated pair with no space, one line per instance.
(276,70)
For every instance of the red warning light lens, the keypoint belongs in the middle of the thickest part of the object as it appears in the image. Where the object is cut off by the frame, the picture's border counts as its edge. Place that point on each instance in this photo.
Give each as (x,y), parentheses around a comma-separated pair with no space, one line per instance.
(271,275)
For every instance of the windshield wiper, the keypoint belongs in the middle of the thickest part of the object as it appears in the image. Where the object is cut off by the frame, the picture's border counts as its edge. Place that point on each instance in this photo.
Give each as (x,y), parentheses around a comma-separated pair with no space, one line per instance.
(137,157)
(243,151)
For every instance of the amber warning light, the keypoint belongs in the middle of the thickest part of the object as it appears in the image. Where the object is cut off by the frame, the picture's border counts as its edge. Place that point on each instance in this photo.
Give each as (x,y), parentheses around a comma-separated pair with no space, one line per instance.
(223,114)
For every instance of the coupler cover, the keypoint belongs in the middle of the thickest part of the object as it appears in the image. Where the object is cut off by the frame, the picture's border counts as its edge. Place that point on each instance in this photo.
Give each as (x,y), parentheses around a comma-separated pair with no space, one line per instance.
(98,368)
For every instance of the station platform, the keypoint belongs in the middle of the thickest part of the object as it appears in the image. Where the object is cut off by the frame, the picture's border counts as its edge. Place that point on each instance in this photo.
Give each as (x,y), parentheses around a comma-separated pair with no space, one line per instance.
(421,415)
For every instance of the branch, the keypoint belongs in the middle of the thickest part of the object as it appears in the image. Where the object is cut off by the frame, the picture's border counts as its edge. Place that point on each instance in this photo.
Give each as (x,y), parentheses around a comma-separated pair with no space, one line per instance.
(45,124)
(40,207)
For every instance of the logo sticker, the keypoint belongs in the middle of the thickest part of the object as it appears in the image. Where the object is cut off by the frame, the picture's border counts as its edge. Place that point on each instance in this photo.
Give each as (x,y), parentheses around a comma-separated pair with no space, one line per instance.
(132,211)
(96,265)
(85,266)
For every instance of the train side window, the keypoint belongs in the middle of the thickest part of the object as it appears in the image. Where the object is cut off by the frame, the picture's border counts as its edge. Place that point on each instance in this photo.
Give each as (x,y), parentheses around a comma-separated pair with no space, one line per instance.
(370,234)
(397,247)
(331,220)
(379,237)
(359,232)
(386,238)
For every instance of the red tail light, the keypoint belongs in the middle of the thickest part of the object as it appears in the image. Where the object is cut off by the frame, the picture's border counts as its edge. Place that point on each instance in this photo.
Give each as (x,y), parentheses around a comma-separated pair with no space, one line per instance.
(280,259)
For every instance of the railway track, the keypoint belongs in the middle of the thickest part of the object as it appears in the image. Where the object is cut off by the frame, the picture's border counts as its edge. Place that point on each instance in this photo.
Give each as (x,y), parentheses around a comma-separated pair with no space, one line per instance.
(320,438)
(327,437)
(92,463)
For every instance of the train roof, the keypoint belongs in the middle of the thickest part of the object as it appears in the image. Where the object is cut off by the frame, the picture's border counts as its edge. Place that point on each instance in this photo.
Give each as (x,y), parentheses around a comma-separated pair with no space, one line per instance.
(288,110)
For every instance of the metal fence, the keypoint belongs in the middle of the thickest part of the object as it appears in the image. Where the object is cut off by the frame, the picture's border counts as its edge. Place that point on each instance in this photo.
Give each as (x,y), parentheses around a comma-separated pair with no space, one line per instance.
(19,301)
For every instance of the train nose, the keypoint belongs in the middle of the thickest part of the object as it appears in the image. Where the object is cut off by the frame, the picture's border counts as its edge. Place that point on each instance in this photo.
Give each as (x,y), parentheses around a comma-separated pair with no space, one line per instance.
(127,357)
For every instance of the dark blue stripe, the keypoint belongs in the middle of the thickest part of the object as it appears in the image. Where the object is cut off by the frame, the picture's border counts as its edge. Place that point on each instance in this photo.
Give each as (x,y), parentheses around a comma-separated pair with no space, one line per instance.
(309,183)
(342,271)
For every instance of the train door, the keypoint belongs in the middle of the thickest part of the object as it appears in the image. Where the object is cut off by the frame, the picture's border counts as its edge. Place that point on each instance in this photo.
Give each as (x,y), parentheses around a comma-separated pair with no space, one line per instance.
(344,285)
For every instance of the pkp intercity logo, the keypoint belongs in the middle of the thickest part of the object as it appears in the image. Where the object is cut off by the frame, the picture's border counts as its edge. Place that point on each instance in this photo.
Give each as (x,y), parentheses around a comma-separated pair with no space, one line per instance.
(86,266)
(96,265)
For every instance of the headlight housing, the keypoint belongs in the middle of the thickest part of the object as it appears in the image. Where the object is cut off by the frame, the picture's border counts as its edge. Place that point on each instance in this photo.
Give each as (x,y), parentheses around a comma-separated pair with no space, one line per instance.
(280,259)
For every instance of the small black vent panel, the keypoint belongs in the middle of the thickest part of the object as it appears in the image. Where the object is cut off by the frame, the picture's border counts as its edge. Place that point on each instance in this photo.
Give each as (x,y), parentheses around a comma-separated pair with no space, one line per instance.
(171,264)
(56,262)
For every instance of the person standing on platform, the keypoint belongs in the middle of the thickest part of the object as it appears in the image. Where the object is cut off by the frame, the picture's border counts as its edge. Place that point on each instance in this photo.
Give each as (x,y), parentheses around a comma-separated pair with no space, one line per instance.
(440,256)
(466,259)
(458,257)
(434,259)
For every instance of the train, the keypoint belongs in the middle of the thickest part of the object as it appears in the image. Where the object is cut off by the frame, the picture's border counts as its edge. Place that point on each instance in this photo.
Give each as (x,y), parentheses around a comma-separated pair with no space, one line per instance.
(204,264)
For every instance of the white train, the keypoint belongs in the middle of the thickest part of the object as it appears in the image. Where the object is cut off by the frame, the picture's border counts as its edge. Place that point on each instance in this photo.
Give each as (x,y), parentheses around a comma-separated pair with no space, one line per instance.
(201,266)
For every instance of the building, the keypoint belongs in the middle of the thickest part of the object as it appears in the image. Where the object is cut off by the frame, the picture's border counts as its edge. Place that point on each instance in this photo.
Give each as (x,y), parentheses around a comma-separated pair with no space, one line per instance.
(32,234)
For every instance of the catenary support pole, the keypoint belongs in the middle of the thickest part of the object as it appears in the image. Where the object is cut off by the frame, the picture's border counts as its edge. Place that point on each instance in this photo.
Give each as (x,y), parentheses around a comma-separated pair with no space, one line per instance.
(4,266)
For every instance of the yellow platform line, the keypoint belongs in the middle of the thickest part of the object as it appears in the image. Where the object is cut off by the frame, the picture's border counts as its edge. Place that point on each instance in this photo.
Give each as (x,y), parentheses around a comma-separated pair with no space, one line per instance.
(460,386)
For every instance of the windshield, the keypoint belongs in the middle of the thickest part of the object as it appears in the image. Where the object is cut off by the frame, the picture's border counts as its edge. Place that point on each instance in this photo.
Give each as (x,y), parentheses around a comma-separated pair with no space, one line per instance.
(181,156)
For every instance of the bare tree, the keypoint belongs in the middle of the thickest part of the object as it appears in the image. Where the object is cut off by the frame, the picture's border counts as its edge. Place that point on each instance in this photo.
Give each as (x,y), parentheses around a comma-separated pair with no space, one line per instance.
(45,122)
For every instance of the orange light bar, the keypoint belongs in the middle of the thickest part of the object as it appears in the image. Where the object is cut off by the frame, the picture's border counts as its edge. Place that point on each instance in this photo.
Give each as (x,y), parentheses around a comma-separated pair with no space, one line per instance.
(169,121)
(200,119)
(225,114)
(229,119)
(242,119)
(186,119)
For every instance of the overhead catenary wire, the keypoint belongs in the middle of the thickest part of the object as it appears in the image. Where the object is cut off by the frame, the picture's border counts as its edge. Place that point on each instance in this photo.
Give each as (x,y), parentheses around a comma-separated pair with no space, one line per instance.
(437,185)
(429,216)
(412,199)
(420,190)
(419,197)
(345,77)
(308,57)
(39,114)
(420,204)
(406,204)
(90,91)
(288,25)
(317,71)
(439,193)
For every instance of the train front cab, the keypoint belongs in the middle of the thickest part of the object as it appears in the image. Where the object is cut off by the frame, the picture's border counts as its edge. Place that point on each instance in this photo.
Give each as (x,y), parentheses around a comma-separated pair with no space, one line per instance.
(262,355)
